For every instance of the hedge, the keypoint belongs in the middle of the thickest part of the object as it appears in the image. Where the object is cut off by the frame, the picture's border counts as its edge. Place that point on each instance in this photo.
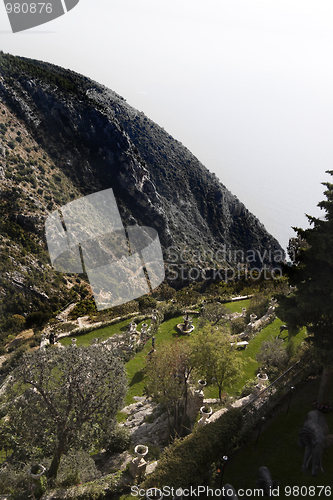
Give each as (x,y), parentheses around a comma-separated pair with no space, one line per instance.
(187,462)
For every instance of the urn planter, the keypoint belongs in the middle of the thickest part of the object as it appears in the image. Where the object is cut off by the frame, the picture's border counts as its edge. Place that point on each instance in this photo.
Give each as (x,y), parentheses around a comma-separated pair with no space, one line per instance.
(253,317)
(206,411)
(262,379)
(201,384)
(154,494)
(38,471)
(141,450)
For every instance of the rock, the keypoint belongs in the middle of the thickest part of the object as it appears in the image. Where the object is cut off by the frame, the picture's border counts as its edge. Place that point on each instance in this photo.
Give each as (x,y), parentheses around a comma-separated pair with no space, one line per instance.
(151,467)
(118,461)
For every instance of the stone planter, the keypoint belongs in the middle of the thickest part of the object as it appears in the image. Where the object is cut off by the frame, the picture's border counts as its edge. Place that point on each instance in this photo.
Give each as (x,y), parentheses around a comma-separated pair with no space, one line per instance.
(201,384)
(140,450)
(39,474)
(253,317)
(262,379)
(206,412)
(133,326)
(74,341)
(154,494)
(138,465)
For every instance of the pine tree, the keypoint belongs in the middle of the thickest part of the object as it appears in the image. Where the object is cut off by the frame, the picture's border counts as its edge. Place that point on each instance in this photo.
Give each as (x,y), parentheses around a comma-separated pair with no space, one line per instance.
(310,303)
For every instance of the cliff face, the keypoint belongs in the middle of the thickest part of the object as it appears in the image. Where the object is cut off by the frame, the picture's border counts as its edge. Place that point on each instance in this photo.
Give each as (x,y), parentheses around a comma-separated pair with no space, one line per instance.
(64,136)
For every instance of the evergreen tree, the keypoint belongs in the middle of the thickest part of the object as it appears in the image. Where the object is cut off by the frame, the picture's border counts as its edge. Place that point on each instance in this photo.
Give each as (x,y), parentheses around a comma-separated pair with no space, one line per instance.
(310,303)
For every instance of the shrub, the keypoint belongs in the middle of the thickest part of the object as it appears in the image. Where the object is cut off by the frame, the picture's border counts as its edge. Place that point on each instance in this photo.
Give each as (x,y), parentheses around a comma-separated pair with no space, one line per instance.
(237,325)
(147,303)
(76,466)
(13,361)
(258,305)
(37,318)
(188,462)
(172,310)
(248,387)
(272,356)
(164,292)
(13,479)
(118,440)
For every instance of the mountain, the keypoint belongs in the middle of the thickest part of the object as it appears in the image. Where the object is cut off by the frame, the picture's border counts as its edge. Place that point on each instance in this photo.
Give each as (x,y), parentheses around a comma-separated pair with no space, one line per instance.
(64,136)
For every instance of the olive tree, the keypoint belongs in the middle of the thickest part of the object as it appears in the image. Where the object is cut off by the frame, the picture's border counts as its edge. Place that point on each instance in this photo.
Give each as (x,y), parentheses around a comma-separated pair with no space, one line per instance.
(168,371)
(58,399)
(213,354)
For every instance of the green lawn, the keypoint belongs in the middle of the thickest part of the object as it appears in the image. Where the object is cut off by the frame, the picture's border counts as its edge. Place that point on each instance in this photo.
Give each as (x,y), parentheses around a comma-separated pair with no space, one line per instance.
(237,305)
(248,355)
(167,332)
(101,333)
(278,449)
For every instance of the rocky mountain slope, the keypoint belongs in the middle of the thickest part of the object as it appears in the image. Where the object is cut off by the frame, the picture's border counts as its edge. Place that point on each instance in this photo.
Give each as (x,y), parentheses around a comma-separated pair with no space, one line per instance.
(63,136)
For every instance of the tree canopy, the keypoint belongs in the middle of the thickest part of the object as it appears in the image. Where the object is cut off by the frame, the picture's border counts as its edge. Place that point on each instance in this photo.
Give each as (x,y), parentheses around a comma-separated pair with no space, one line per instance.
(310,301)
(60,398)
(168,373)
(213,355)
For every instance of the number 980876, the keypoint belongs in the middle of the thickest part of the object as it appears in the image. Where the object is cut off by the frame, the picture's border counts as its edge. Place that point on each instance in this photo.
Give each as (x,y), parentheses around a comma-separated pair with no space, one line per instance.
(28,8)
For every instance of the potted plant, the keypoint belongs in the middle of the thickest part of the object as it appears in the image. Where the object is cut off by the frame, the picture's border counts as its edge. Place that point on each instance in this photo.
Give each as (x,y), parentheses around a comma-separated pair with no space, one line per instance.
(262,378)
(201,384)
(206,412)
(36,471)
(141,450)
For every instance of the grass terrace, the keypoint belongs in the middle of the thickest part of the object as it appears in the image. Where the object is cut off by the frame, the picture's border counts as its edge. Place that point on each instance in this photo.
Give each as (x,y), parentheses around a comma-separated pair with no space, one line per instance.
(168,332)
(101,333)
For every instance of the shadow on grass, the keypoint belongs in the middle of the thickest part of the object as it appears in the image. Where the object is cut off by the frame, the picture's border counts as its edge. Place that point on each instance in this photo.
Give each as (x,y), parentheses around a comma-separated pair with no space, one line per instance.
(138,377)
(278,447)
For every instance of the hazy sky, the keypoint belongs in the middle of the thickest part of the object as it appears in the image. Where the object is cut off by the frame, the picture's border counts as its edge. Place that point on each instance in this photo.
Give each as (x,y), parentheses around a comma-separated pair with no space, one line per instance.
(246,85)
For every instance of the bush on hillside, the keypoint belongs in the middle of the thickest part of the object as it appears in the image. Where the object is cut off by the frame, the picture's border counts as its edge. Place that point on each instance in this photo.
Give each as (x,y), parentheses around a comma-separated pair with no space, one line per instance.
(258,305)
(119,440)
(237,325)
(187,462)
(147,303)
(273,356)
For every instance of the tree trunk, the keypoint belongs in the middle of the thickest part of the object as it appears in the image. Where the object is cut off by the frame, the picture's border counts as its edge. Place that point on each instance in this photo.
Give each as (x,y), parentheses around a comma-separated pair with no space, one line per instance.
(54,467)
(325,385)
